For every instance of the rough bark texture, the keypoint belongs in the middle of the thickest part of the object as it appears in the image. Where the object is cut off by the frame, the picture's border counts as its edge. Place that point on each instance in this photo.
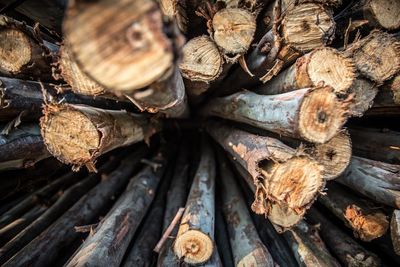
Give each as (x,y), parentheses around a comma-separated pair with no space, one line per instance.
(376,180)
(363,92)
(21,147)
(315,115)
(366,220)
(348,251)
(287,181)
(395,231)
(45,249)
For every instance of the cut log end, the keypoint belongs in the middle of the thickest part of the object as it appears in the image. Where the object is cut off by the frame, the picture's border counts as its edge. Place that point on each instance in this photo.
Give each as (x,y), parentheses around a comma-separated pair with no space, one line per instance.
(395,87)
(234,30)
(334,155)
(307,26)
(322,115)
(364,93)
(201,60)
(194,247)
(15,50)
(385,13)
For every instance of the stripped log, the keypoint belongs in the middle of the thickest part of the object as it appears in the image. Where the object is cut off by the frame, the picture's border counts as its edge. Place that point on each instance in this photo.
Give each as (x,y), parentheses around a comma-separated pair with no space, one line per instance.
(348,251)
(366,220)
(68,198)
(323,65)
(48,246)
(308,247)
(315,115)
(21,147)
(23,53)
(376,180)
(395,231)
(376,144)
(286,181)
(194,243)
(363,92)
(78,134)
(376,56)
(247,248)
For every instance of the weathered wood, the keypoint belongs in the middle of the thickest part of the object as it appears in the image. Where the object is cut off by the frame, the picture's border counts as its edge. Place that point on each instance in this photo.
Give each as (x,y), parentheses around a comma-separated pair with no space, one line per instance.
(363,93)
(315,115)
(395,231)
(247,247)
(21,147)
(366,220)
(376,180)
(176,11)
(308,247)
(47,247)
(376,144)
(222,237)
(194,243)
(78,134)
(387,102)
(286,181)
(348,251)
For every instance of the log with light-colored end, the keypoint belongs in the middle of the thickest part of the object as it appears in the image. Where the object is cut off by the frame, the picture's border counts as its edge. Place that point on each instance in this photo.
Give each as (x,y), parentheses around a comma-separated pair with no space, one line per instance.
(395,231)
(130,53)
(307,26)
(175,10)
(233,30)
(383,13)
(376,56)
(321,66)
(78,134)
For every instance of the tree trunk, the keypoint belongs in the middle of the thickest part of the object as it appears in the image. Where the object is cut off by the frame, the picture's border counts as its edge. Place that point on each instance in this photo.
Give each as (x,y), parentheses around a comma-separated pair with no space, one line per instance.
(45,249)
(348,251)
(366,220)
(78,134)
(194,243)
(287,182)
(22,147)
(315,115)
(376,180)
(395,231)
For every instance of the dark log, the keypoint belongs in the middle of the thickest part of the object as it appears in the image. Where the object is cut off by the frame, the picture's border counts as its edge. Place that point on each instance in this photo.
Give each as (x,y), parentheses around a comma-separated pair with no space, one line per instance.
(48,246)
(387,102)
(222,238)
(21,147)
(367,221)
(395,231)
(348,251)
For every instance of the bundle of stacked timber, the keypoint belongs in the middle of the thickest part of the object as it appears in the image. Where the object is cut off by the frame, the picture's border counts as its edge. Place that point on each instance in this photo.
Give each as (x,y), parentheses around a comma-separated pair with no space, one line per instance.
(200,133)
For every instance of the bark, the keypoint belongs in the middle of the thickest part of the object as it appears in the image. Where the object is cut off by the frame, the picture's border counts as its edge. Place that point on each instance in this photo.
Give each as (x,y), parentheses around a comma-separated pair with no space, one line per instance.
(194,243)
(286,181)
(395,231)
(68,198)
(45,249)
(321,66)
(347,251)
(376,144)
(366,220)
(315,115)
(376,180)
(24,54)
(91,132)
(222,238)
(376,56)
(21,147)
(308,248)
(363,92)
(247,247)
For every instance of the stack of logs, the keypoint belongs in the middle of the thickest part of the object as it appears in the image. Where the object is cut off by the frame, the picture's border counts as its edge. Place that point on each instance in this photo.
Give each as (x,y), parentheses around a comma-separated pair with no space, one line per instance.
(200,132)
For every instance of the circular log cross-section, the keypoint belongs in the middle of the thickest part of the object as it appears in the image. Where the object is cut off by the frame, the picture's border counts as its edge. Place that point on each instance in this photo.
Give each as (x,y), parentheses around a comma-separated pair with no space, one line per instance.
(15,50)
(234,30)
(383,13)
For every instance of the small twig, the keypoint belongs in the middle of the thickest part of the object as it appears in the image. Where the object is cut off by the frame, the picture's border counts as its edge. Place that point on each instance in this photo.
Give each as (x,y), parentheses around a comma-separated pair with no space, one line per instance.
(152,164)
(85,228)
(167,232)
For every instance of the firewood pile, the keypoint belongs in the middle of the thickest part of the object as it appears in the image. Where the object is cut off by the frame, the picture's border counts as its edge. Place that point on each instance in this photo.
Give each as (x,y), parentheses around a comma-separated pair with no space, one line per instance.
(199,132)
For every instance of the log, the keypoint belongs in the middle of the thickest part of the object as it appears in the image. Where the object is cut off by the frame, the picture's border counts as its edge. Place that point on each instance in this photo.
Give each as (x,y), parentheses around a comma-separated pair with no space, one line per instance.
(321,66)
(48,246)
(66,200)
(376,144)
(78,134)
(376,180)
(387,102)
(194,243)
(176,11)
(363,217)
(308,247)
(315,115)
(24,54)
(395,231)
(363,92)
(247,247)
(120,224)
(142,49)
(286,181)
(346,250)
(222,237)
(376,56)
(21,147)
